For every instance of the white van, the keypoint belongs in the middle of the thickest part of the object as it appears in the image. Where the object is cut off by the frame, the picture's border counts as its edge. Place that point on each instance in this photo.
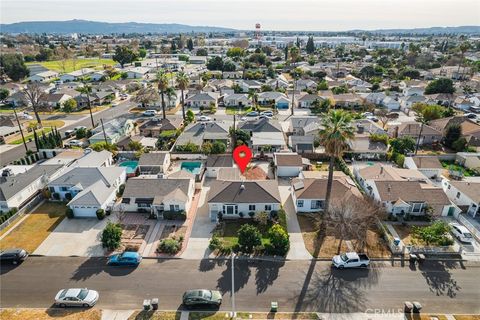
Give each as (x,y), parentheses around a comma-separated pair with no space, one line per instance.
(150,113)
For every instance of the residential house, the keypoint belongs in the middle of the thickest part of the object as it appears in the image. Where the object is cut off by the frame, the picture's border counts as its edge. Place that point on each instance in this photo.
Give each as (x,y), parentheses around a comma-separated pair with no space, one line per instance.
(232,75)
(470,129)
(202,99)
(390,103)
(412,198)
(138,73)
(430,166)
(200,132)
(465,194)
(443,99)
(347,100)
(302,144)
(242,199)
(155,126)
(275,99)
(76,75)
(215,162)
(97,76)
(287,164)
(240,100)
(407,101)
(469,160)
(266,135)
(154,163)
(309,100)
(363,147)
(54,100)
(157,196)
(113,131)
(248,85)
(18,188)
(88,189)
(429,136)
(45,76)
(308,194)
(304,125)
(17,100)
(306,84)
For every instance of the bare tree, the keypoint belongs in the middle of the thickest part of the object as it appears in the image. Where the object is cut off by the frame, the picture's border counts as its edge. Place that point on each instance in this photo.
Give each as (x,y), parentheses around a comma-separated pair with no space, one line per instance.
(350,219)
(34,94)
(63,54)
(120,213)
(146,96)
(382,115)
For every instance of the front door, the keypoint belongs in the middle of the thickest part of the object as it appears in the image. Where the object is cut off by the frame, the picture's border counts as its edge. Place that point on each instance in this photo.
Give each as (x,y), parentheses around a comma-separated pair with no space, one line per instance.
(451,210)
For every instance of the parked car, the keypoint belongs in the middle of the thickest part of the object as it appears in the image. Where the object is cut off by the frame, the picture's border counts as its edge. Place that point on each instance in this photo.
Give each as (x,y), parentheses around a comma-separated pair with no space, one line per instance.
(266,113)
(252,114)
(69,133)
(471,115)
(461,232)
(201,297)
(127,258)
(75,143)
(351,260)
(367,114)
(13,256)
(150,113)
(25,115)
(123,96)
(204,118)
(115,104)
(76,297)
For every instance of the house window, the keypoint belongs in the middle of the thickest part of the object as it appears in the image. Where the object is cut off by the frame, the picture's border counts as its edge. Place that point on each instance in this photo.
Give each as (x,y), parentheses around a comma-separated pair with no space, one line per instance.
(417,207)
(251,207)
(458,195)
(52,189)
(175,207)
(300,203)
(316,204)
(63,188)
(230,209)
(268,207)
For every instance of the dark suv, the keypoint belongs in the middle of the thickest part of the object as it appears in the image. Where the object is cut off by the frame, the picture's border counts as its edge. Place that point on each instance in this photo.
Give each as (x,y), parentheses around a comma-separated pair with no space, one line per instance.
(13,256)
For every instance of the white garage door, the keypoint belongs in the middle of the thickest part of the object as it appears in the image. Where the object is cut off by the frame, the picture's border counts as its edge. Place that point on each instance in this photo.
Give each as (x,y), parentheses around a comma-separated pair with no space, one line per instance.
(287,172)
(85,212)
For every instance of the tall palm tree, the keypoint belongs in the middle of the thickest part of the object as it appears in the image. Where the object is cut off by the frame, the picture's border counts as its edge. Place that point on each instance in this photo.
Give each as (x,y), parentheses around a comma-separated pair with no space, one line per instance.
(171,95)
(421,119)
(182,82)
(162,80)
(463,48)
(337,131)
(252,95)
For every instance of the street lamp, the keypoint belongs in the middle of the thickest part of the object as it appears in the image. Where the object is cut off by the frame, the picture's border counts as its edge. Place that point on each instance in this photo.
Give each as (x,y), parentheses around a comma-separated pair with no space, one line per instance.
(234,313)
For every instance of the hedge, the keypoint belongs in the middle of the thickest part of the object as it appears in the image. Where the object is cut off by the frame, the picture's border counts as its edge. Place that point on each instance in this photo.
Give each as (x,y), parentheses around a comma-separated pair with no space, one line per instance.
(174,215)
(4,217)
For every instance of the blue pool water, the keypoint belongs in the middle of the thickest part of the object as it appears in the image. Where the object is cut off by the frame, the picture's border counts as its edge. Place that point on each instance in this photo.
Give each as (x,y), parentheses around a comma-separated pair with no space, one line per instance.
(130,165)
(192,167)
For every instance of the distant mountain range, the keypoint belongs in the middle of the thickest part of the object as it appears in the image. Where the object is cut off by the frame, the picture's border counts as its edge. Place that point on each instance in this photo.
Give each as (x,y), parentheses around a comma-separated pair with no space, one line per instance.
(95,27)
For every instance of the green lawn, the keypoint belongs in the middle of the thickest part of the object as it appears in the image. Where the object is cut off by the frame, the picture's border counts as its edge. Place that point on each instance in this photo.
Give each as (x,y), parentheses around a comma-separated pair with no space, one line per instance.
(450,165)
(168,133)
(72,65)
(236,110)
(230,232)
(30,136)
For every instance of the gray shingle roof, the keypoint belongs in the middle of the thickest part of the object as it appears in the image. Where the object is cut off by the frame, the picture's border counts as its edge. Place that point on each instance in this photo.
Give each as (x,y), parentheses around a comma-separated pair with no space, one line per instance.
(152,159)
(254,192)
(153,188)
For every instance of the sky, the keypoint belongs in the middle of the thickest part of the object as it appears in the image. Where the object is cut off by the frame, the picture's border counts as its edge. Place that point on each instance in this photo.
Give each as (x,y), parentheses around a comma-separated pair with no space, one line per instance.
(316,15)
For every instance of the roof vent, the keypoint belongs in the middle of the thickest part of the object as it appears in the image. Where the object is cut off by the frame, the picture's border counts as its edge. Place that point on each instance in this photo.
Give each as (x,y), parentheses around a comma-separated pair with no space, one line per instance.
(242,187)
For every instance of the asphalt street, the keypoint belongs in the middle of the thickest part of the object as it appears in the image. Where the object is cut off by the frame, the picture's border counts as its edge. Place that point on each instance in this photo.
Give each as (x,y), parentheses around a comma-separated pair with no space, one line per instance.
(447,287)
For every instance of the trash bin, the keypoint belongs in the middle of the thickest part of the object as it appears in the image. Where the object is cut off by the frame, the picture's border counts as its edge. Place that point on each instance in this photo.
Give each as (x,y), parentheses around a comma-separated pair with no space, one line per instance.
(408,306)
(396,241)
(146,304)
(417,306)
(155,303)
(274,306)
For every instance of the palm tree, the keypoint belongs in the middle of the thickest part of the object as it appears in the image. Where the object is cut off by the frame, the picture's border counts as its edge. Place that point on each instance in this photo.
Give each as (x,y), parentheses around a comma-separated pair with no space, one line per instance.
(171,95)
(337,131)
(463,48)
(294,54)
(162,80)
(182,82)
(296,73)
(421,119)
(252,95)
(145,96)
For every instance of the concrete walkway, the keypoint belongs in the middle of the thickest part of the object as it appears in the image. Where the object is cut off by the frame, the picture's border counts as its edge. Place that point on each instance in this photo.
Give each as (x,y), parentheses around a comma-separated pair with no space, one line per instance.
(394,233)
(297,246)
(116,314)
(152,244)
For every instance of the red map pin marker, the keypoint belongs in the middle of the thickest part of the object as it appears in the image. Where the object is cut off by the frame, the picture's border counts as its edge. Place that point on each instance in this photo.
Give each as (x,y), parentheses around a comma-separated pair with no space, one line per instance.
(242,155)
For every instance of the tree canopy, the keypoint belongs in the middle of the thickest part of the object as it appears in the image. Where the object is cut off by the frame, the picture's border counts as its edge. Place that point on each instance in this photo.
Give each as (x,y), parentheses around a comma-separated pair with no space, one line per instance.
(442,85)
(124,55)
(13,66)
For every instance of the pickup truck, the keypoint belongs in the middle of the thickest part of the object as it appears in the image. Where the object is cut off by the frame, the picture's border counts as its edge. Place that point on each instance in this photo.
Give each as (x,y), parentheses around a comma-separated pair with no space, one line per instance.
(351,260)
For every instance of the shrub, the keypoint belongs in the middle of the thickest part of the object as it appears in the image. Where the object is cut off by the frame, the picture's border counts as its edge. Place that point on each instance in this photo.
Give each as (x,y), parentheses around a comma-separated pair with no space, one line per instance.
(69,213)
(376,137)
(68,196)
(282,218)
(262,218)
(434,234)
(170,246)
(175,215)
(121,188)
(215,243)
(241,214)
(111,236)
(56,196)
(248,238)
(100,214)
(279,240)
(251,214)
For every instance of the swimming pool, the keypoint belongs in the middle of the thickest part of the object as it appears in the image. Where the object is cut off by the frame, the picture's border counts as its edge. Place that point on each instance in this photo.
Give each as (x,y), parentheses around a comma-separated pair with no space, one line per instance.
(130,165)
(191,166)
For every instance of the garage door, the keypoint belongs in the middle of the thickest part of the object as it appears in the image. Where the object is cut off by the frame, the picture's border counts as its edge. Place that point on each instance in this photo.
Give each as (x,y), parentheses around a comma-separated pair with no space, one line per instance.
(85,212)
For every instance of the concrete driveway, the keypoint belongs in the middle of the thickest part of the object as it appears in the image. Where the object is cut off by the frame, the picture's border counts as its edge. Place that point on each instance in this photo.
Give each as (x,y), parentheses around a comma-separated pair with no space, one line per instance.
(75,237)
(297,246)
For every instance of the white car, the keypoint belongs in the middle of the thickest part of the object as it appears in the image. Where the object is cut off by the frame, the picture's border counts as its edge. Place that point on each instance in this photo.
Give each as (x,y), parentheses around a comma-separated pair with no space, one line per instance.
(26,116)
(461,233)
(150,113)
(75,143)
(76,297)
(266,113)
(204,118)
(115,104)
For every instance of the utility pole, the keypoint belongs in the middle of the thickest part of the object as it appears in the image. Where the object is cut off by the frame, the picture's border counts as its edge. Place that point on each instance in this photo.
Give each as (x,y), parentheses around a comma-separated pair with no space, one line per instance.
(104,134)
(234,313)
(20,128)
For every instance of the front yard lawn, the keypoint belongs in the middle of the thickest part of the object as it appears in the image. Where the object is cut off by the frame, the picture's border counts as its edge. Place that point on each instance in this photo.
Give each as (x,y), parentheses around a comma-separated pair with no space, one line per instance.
(35,228)
(47,314)
(229,232)
(237,110)
(155,315)
(77,64)
(254,315)
(326,244)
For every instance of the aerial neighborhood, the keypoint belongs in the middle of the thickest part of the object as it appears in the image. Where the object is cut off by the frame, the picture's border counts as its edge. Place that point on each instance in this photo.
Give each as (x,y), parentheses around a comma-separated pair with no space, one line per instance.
(121,146)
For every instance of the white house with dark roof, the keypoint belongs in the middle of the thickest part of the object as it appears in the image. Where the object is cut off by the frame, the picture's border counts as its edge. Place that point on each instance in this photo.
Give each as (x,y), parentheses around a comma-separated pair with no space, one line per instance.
(88,189)
(44,76)
(155,195)
(202,99)
(215,162)
(242,199)
(153,163)
(430,166)
(287,164)
(464,194)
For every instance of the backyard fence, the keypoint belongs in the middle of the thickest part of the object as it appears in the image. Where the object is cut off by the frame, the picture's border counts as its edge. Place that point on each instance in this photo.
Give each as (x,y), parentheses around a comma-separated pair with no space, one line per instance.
(475,232)
(24,210)
(434,250)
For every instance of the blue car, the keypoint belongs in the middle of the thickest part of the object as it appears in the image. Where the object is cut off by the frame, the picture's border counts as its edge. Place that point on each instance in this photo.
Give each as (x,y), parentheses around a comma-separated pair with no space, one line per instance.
(125,259)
